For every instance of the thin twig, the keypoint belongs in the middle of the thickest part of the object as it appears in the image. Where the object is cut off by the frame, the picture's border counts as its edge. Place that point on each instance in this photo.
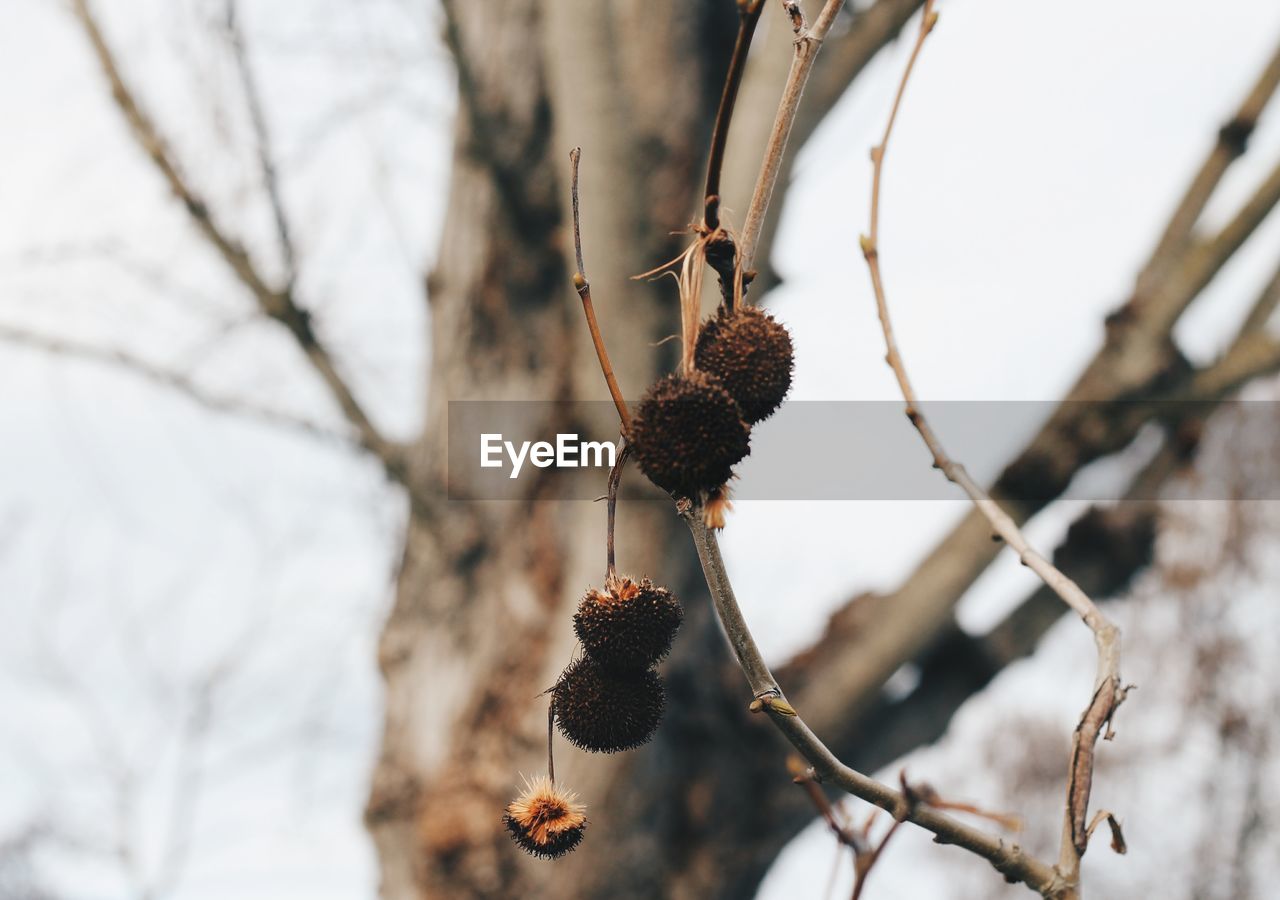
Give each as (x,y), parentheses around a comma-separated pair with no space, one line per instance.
(551,730)
(748,16)
(278,304)
(1108,692)
(808,43)
(168,379)
(611,501)
(583,287)
(262,133)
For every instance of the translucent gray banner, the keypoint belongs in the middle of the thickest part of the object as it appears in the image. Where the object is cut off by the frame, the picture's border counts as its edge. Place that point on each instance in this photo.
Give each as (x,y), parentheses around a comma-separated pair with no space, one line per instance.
(849,450)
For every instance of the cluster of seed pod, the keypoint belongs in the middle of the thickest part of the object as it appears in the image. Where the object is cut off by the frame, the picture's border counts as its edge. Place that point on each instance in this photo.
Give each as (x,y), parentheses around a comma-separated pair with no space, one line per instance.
(611,698)
(691,429)
(608,700)
(688,433)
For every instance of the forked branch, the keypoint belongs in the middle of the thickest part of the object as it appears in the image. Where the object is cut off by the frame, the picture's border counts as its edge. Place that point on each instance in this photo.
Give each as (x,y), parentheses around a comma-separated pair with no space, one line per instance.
(1007,858)
(1108,691)
(276,303)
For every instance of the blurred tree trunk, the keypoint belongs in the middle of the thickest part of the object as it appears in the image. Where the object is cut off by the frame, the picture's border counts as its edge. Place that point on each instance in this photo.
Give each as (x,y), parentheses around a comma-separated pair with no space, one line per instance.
(481,621)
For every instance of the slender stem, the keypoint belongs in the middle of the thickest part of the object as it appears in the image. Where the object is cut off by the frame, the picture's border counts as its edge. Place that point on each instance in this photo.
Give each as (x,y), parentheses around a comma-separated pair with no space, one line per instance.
(551,729)
(266,155)
(583,288)
(748,17)
(808,42)
(1108,693)
(615,479)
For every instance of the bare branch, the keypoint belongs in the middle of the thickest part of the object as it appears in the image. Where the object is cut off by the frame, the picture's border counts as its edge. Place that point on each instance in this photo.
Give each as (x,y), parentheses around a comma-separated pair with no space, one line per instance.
(808,43)
(1008,859)
(844,55)
(1108,692)
(266,157)
(277,304)
(1161,306)
(583,287)
(1230,145)
(168,379)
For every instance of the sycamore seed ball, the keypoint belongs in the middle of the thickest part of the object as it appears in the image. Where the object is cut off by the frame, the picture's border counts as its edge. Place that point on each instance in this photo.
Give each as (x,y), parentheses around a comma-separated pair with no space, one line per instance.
(545,820)
(606,711)
(751,354)
(628,625)
(688,434)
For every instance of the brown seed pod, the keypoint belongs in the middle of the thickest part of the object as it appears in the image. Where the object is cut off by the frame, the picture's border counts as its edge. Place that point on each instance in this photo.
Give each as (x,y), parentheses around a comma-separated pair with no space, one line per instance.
(545,820)
(751,353)
(607,711)
(629,625)
(688,434)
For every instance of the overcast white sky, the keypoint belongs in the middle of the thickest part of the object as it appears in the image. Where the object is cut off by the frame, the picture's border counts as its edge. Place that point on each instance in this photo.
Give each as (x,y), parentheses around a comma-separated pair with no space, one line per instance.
(141,537)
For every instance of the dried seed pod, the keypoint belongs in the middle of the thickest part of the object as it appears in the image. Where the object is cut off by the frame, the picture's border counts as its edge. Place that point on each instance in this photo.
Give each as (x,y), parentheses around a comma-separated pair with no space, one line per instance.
(628,625)
(607,711)
(545,820)
(751,353)
(688,434)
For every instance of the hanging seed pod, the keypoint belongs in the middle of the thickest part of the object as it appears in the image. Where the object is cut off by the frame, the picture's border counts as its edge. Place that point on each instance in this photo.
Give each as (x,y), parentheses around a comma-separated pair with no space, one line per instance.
(606,711)
(545,820)
(688,434)
(751,353)
(629,625)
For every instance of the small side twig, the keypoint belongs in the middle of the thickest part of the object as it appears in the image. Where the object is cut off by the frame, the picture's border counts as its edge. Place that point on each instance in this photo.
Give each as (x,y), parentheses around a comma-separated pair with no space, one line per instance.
(1117,834)
(266,155)
(1108,692)
(583,287)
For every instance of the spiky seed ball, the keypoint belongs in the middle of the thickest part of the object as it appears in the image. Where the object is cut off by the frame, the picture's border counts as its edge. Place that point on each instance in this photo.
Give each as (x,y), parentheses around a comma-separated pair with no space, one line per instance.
(607,711)
(545,820)
(629,625)
(751,353)
(688,434)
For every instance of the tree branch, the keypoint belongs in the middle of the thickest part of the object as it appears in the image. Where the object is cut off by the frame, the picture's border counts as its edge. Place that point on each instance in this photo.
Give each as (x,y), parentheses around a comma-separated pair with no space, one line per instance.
(278,304)
(1108,691)
(1230,145)
(849,664)
(166,378)
(266,157)
(844,55)
(1008,859)
(807,44)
